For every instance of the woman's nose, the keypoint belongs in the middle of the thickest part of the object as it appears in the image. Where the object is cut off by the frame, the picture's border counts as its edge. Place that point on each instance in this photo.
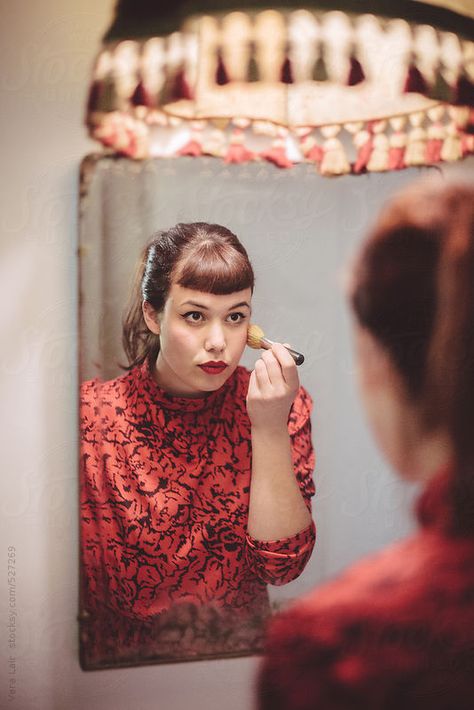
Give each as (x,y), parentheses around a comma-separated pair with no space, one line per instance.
(215,339)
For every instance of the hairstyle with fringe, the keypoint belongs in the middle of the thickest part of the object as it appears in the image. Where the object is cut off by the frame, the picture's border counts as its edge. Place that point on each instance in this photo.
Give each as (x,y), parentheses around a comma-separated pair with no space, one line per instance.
(197,255)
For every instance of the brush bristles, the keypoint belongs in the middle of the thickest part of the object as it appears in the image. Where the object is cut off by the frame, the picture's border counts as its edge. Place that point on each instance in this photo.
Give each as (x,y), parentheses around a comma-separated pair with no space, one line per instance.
(254,336)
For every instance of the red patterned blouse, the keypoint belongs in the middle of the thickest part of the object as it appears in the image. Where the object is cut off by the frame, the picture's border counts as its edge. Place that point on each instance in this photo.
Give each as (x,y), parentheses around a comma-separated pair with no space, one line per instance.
(396,630)
(165,494)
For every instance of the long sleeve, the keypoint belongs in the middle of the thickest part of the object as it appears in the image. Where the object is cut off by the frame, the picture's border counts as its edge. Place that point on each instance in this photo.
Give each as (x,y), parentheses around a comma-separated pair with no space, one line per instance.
(280,561)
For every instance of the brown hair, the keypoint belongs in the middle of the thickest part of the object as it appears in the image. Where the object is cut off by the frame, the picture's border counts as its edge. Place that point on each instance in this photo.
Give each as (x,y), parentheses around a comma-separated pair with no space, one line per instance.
(205,257)
(414,291)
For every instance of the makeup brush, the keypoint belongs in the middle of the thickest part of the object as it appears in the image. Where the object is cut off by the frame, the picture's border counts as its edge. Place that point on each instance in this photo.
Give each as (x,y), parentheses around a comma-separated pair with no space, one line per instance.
(256,339)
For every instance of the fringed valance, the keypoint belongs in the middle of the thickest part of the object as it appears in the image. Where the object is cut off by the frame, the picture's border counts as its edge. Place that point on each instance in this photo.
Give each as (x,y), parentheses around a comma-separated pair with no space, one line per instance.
(349,93)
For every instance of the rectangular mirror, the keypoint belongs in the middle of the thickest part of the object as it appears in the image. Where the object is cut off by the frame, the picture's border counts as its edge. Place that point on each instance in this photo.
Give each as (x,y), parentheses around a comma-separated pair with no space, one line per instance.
(298,229)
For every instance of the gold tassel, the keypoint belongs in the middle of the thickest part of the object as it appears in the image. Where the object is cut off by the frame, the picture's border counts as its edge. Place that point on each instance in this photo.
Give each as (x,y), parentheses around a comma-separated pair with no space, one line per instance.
(436,134)
(378,161)
(451,150)
(415,153)
(334,160)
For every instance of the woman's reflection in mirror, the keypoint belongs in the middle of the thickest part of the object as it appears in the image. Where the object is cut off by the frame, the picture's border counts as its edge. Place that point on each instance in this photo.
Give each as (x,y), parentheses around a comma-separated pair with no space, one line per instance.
(397,630)
(196,474)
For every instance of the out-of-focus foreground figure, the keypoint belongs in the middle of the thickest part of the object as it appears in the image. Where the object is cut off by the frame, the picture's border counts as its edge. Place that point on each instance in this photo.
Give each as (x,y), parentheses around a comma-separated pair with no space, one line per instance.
(397,629)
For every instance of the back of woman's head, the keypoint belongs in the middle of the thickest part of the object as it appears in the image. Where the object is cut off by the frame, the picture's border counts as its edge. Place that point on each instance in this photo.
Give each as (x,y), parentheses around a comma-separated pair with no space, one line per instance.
(205,257)
(414,292)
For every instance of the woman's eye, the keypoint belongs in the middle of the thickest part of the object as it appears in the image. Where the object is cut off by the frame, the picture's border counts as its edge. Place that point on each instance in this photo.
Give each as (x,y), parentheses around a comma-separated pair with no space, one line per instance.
(236,317)
(193,317)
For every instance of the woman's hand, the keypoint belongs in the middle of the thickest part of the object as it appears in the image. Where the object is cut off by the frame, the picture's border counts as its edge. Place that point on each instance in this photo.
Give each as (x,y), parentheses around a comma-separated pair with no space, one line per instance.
(272,388)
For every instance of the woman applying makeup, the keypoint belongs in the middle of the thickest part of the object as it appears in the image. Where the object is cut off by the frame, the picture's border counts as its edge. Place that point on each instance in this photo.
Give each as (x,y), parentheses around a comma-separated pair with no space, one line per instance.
(196,474)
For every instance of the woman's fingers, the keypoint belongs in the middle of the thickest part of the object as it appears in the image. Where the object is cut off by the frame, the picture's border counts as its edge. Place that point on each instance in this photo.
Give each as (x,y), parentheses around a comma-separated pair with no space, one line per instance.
(262,377)
(287,365)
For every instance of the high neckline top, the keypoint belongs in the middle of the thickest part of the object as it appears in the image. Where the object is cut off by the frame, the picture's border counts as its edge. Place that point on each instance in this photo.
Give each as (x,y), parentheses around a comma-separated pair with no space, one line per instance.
(180,403)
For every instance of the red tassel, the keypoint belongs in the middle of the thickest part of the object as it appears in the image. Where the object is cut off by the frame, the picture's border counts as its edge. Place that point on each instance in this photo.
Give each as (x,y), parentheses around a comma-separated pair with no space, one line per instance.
(141,97)
(315,155)
(356,73)
(238,154)
(191,148)
(221,73)
(277,156)
(181,88)
(364,152)
(464,93)
(286,74)
(433,150)
(396,158)
(470,123)
(415,80)
(95,93)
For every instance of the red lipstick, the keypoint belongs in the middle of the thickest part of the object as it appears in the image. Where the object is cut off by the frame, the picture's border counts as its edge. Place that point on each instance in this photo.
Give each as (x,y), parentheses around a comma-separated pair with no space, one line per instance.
(213,367)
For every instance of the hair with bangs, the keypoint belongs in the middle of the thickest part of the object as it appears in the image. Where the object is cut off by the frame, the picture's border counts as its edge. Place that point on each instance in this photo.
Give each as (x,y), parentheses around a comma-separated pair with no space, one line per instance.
(205,257)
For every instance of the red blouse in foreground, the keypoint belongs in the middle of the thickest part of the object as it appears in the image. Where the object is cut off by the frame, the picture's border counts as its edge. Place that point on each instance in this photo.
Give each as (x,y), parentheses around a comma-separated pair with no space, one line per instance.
(395,631)
(165,486)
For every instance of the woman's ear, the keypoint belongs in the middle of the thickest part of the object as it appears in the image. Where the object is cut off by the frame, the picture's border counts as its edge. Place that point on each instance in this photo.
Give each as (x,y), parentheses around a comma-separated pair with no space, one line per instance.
(151,317)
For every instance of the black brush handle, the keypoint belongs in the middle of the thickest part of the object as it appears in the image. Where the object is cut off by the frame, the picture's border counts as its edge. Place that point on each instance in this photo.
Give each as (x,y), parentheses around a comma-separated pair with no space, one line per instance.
(297,357)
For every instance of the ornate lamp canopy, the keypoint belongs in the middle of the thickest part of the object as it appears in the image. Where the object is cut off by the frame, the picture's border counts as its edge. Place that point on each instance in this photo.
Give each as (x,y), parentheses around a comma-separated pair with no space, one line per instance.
(371,86)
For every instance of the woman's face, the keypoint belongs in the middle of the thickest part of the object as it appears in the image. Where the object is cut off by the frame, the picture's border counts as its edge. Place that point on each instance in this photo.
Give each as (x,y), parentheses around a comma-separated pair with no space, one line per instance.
(202,338)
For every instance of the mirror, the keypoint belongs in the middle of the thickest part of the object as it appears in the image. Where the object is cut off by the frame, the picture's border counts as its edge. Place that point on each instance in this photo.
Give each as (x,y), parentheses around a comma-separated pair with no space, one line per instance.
(298,229)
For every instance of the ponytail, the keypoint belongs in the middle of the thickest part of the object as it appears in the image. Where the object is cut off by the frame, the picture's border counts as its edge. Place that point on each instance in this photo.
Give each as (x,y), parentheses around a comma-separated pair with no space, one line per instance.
(138,342)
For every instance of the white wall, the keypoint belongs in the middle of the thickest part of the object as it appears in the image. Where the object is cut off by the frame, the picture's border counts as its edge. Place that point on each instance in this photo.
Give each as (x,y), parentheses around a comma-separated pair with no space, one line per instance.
(45,57)
(46,50)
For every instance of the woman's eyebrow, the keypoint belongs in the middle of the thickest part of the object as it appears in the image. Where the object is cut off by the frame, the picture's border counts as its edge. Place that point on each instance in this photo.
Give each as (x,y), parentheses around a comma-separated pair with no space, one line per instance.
(205,308)
(239,305)
(194,303)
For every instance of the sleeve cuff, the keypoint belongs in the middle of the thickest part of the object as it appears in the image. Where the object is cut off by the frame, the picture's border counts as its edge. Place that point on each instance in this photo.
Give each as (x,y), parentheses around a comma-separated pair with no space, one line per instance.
(281,561)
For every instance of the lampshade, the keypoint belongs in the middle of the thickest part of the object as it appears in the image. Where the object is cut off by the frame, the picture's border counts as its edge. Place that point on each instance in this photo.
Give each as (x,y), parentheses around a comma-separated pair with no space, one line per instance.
(348,86)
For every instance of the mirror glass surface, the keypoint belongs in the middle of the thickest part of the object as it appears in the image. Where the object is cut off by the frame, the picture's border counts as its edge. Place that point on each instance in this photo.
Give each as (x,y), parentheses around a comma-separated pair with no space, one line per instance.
(299,230)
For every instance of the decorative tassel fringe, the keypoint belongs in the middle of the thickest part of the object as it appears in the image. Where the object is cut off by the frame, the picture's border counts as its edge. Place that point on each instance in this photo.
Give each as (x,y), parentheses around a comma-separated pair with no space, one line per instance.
(378,161)
(436,134)
(277,154)
(415,80)
(221,74)
(310,148)
(192,148)
(451,149)
(397,144)
(441,90)
(416,148)
(334,160)
(363,140)
(286,73)
(467,144)
(181,88)
(356,73)
(141,97)
(252,69)
(237,152)
(108,99)
(319,72)
(464,92)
